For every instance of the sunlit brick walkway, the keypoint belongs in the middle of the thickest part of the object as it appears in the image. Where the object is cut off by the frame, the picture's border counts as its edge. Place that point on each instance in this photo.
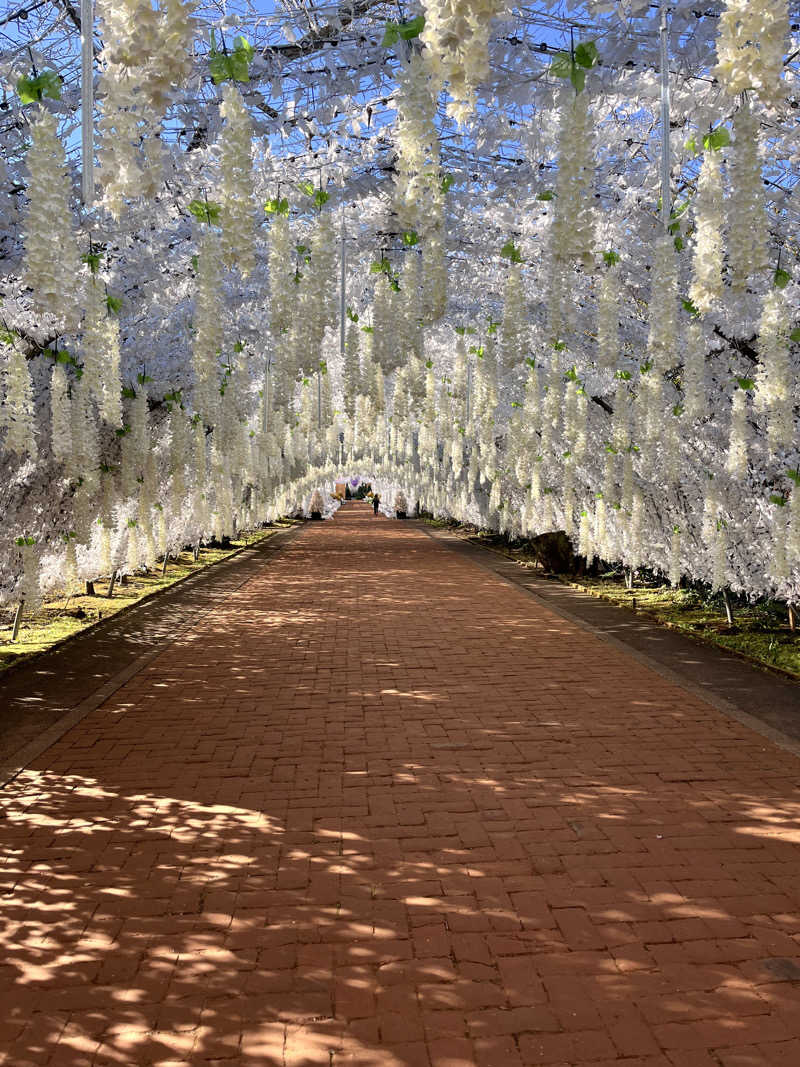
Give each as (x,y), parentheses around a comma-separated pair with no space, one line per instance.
(384,809)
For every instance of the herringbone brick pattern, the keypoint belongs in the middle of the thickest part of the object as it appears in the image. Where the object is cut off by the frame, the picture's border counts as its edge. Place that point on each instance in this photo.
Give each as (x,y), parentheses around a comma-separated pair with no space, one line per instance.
(383,809)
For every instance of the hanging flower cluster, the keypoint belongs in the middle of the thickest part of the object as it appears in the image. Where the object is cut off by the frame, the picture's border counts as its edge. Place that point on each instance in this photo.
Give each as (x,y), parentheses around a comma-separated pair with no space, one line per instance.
(416,142)
(747,218)
(146,55)
(101,356)
(236,186)
(608,306)
(52,262)
(457,35)
(572,231)
(707,286)
(751,46)
(774,388)
(18,406)
(207,327)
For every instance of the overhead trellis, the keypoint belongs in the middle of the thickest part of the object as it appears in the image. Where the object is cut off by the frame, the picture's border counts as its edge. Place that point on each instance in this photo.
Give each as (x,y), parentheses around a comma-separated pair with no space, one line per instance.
(537,265)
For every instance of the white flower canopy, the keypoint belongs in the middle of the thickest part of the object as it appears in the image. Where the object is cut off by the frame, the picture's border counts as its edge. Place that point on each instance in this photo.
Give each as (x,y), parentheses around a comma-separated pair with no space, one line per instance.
(447,246)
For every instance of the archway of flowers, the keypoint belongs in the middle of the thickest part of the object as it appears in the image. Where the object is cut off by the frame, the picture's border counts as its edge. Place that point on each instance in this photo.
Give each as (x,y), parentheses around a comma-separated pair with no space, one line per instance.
(447,243)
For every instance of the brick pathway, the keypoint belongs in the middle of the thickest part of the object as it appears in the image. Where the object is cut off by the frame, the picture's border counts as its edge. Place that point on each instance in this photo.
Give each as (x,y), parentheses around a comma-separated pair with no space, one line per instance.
(383,809)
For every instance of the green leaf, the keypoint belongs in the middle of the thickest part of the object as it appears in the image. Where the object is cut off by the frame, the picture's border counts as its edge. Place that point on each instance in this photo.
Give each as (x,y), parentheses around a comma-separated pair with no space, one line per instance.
(794,475)
(391,34)
(429,363)
(277,206)
(447,181)
(510,251)
(239,346)
(678,410)
(623,375)
(746,383)
(795,336)
(32,90)
(205,211)
(611,258)
(687,305)
(559,346)
(301,249)
(195,262)
(93,259)
(678,242)
(530,362)
(781,278)
(129,392)
(779,499)
(352,315)
(321,197)
(25,541)
(233,66)
(412,28)
(586,54)
(561,65)
(578,78)
(367,329)
(546,195)
(306,187)
(405,31)
(571,375)
(114,303)
(8,337)
(410,238)
(691,145)
(646,367)
(717,139)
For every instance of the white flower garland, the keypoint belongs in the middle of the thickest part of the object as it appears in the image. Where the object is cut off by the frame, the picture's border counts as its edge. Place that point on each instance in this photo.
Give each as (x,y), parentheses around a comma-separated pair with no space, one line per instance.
(751,46)
(572,233)
(706,289)
(512,345)
(457,35)
(416,141)
(774,387)
(208,329)
(694,372)
(736,460)
(52,267)
(236,187)
(608,307)
(19,415)
(146,55)
(60,415)
(748,232)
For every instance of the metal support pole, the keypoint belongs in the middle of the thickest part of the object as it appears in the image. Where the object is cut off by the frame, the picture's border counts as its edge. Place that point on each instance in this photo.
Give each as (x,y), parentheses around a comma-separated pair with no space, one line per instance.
(87,103)
(666,198)
(17,620)
(342,292)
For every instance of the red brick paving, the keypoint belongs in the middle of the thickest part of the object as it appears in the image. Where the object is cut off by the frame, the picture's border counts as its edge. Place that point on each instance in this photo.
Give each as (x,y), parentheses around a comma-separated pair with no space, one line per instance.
(384,809)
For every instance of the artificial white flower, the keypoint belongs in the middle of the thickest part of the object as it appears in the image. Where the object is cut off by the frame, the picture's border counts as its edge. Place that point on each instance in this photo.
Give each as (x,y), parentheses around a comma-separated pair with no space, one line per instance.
(774,385)
(19,412)
(52,266)
(237,217)
(751,46)
(748,231)
(707,286)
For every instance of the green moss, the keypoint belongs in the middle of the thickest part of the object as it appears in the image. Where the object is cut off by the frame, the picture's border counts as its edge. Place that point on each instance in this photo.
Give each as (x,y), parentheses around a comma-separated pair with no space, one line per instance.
(56,621)
(760,631)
